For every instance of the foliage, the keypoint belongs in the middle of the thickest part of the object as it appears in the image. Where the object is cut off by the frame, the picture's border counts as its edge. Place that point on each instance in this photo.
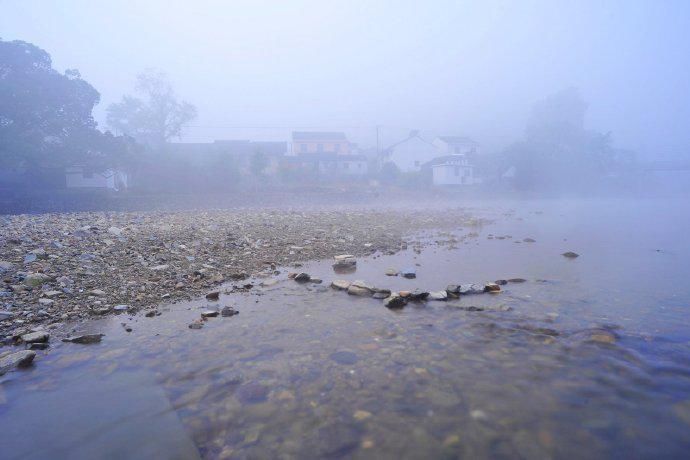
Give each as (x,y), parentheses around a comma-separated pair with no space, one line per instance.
(155,117)
(558,152)
(46,117)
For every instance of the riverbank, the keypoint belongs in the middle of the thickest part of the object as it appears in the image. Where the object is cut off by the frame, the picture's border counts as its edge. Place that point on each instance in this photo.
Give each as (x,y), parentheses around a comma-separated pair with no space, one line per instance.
(65,267)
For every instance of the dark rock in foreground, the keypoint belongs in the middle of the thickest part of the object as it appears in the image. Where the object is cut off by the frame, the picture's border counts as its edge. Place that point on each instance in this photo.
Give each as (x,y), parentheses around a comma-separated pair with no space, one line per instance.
(17,359)
(84,339)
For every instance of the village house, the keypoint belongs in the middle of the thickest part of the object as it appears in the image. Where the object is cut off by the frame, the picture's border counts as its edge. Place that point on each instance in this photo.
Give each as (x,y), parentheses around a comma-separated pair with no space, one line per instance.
(410,153)
(320,142)
(457,145)
(452,170)
(83,177)
(330,165)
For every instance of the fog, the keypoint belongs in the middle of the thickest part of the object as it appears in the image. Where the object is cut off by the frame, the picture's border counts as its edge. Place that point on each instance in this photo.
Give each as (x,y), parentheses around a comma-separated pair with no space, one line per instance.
(259,69)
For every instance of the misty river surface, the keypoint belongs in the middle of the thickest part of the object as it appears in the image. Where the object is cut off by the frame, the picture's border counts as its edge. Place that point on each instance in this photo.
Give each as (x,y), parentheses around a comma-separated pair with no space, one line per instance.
(588,358)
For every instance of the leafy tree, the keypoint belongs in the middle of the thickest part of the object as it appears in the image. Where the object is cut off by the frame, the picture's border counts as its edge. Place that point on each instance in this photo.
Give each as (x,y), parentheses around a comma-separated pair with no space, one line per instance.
(155,117)
(46,117)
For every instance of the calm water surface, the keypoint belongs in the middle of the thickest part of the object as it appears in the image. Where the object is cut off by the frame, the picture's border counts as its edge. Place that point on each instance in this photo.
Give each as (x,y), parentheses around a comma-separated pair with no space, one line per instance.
(308,372)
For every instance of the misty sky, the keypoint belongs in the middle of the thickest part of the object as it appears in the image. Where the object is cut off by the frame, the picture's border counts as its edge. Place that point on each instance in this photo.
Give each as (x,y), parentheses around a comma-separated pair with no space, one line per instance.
(449,67)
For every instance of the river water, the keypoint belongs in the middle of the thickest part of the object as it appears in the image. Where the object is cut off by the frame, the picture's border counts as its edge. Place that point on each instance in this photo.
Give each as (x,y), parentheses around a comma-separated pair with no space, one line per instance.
(588,358)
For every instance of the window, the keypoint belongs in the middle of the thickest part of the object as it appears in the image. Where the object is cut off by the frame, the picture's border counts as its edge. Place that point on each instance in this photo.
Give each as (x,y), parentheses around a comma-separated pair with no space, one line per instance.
(303,148)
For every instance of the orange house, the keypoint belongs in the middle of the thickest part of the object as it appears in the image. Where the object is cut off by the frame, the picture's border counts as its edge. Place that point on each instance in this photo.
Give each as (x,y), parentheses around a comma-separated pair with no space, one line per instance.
(320,142)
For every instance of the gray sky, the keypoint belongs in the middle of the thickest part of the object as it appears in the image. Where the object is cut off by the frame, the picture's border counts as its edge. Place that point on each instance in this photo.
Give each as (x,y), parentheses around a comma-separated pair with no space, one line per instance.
(451,67)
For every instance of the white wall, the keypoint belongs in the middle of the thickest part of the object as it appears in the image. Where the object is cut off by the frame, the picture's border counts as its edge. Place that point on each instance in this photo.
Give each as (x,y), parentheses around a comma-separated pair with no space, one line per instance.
(75,178)
(446,175)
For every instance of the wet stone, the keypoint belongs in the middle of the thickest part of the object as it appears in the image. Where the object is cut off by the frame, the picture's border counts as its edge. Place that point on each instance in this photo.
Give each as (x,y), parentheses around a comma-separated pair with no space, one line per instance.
(517,280)
(391,272)
(409,273)
(302,277)
(209,314)
(229,311)
(17,359)
(340,284)
(492,287)
(84,339)
(395,302)
(344,357)
(215,295)
(35,337)
(437,295)
(570,255)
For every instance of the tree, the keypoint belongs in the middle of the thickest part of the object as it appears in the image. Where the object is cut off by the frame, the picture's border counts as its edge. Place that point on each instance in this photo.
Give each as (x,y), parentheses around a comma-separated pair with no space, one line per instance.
(558,152)
(156,117)
(258,163)
(46,117)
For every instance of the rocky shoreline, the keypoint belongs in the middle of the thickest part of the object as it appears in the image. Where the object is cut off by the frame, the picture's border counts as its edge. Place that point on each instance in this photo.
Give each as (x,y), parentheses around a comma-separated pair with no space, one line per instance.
(58,268)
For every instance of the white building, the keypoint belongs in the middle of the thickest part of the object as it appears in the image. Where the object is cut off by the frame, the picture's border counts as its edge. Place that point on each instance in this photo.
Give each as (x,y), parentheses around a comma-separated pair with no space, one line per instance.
(410,154)
(456,144)
(82,177)
(452,170)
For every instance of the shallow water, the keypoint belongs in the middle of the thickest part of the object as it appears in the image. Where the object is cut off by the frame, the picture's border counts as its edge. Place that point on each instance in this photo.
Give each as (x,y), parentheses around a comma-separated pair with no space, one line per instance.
(308,372)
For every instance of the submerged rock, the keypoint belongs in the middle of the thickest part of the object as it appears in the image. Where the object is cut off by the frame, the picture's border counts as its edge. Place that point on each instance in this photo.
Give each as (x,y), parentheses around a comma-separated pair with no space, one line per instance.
(215,295)
(84,339)
(391,272)
(209,314)
(517,280)
(467,289)
(17,359)
(344,357)
(570,254)
(417,295)
(344,261)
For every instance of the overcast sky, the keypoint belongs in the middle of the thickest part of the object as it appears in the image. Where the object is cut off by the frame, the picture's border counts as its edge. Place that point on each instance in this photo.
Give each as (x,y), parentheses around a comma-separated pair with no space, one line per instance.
(448,67)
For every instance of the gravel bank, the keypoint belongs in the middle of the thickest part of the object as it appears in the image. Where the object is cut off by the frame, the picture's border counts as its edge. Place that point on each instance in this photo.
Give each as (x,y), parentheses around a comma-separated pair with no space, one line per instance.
(65,267)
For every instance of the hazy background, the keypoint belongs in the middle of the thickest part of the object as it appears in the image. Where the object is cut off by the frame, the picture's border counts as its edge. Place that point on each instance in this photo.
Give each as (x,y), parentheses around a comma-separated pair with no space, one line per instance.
(259,68)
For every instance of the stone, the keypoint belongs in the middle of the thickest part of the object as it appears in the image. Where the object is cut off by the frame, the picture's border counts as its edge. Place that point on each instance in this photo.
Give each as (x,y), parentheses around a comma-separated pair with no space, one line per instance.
(382,294)
(5,266)
(302,277)
(38,346)
(215,295)
(17,359)
(116,231)
(36,279)
(453,289)
(529,240)
(97,292)
(570,255)
(344,261)
(391,272)
(467,289)
(395,302)
(360,288)
(229,311)
(159,268)
(517,280)
(501,282)
(361,415)
(340,285)
(418,295)
(209,314)
(84,339)
(196,325)
(46,302)
(35,337)
(344,357)
(120,308)
(492,287)
(252,393)
(438,295)
(6,315)
(409,273)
